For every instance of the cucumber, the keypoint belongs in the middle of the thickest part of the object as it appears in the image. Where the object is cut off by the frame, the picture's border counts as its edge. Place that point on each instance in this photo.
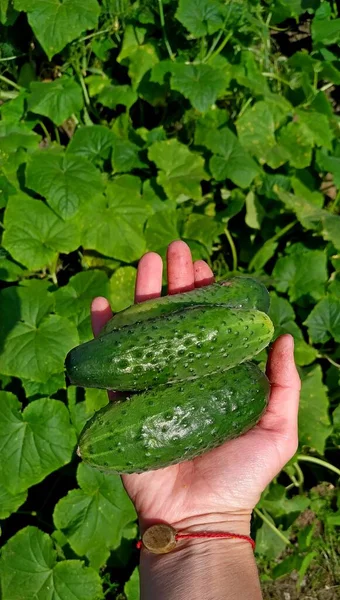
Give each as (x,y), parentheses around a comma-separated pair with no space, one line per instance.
(168,425)
(238,292)
(186,344)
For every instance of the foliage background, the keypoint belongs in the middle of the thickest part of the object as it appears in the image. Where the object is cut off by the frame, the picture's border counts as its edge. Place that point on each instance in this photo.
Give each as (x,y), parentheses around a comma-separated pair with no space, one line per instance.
(125,125)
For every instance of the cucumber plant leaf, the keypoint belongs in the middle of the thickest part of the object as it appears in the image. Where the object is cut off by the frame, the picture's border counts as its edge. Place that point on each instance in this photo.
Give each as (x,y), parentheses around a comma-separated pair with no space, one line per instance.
(180,170)
(314,421)
(92,142)
(34,342)
(29,565)
(34,442)
(34,234)
(122,288)
(74,299)
(57,99)
(301,272)
(86,515)
(201,84)
(119,222)
(66,181)
(57,23)
(323,322)
(201,17)
(230,160)
(9,503)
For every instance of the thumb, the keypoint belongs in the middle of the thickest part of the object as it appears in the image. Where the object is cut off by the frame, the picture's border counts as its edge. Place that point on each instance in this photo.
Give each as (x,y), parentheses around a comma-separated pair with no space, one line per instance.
(281,416)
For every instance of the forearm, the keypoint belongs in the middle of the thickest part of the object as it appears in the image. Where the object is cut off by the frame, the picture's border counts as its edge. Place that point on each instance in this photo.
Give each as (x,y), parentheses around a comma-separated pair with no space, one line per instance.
(208,569)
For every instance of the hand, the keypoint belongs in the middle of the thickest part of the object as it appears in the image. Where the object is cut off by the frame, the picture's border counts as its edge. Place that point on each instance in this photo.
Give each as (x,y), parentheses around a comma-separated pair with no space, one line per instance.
(224,485)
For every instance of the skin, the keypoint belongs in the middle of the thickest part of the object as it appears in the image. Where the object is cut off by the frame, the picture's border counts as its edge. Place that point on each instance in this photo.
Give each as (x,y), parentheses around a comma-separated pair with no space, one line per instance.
(218,490)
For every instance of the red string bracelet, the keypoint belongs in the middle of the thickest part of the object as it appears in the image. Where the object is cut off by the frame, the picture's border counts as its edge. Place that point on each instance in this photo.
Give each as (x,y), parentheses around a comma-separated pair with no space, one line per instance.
(162,538)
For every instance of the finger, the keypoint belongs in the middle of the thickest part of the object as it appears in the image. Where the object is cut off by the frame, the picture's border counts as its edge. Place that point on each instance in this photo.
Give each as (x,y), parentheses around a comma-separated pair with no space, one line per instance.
(181,277)
(100,314)
(282,412)
(203,274)
(149,277)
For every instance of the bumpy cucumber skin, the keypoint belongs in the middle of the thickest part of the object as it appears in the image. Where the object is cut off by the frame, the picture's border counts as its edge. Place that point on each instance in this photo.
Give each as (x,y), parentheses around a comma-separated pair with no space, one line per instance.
(237,292)
(184,345)
(168,425)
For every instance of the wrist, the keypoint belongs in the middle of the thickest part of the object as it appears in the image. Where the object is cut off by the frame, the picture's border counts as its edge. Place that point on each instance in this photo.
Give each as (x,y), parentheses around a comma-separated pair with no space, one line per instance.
(237,523)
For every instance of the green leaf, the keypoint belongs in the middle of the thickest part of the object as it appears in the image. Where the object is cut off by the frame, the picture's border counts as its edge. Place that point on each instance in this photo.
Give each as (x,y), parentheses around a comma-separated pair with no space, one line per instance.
(113,95)
(302,272)
(201,84)
(9,503)
(276,502)
(34,342)
(140,62)
(203,229)
(230,160)
(16,135)
(95,399)
(57,100)
(255,211)
(161,230)
(74,299)
(201,17)
(125,156)
(294,146)
(312,217)
(92,142)
(283,316)
(57,23)
(256,131)
(34,234)
(325,31)
(122,288)
(330,163)
(9,270)
(131,588)
(268,542)
(316,127)
(314,422)
(93,517)
(30,571)
(324,320)
(181,171)
(66,181)
(36,389)
(34,442)
(119,221)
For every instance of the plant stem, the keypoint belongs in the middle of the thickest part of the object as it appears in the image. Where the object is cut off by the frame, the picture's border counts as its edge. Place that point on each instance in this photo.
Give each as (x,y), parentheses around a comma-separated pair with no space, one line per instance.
(300,476)
(232,247)
(274,76)
(12,57)
(272,526)
(318,461)
(8,95)
(45,130)
(335,364)
(57,136)
(10,82)
(84,88)
(213,45)
(92,35)
(165,37)
(271,240)
(221,46)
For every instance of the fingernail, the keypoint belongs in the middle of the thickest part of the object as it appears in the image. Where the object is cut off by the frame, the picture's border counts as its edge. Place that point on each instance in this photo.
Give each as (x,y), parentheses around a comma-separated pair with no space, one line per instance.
(291,340)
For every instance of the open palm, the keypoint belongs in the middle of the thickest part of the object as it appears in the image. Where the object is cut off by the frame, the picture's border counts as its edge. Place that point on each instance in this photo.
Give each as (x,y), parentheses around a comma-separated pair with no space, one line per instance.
(227,480)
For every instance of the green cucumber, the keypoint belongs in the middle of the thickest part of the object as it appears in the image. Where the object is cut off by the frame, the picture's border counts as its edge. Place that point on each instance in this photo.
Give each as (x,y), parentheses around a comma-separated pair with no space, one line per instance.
(167,425)
(238,292)
(183,345)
